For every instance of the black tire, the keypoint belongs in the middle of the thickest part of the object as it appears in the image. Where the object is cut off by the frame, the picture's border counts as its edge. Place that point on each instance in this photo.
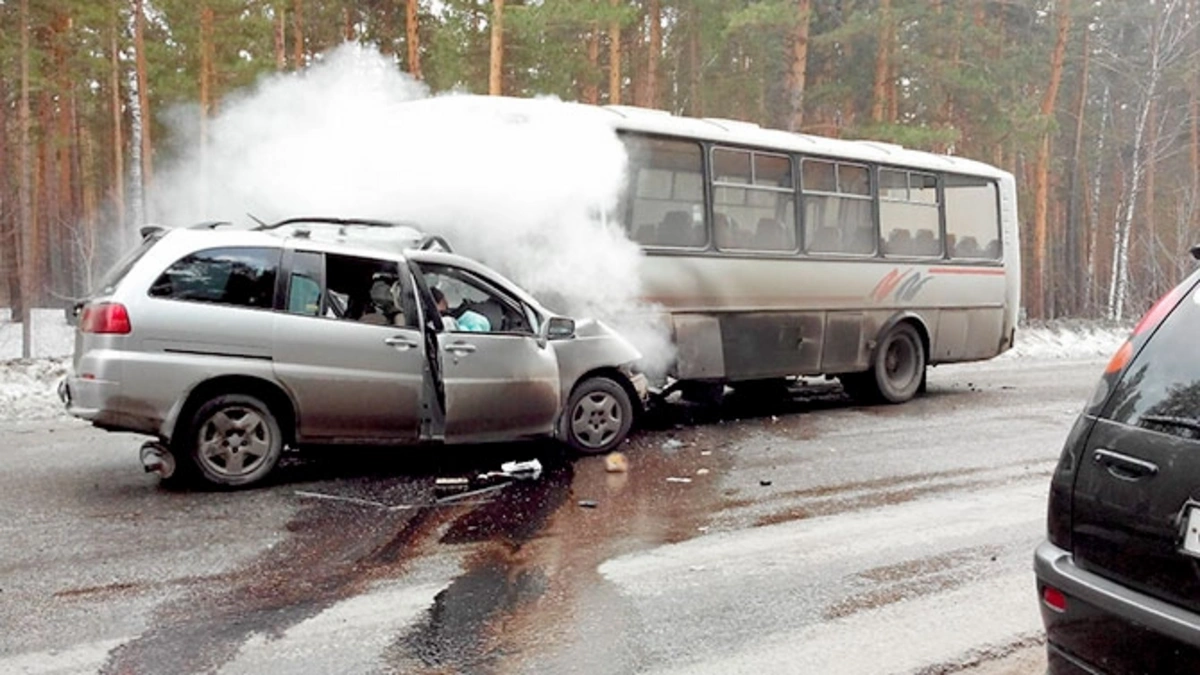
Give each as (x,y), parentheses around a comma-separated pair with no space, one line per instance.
(598,417)
(897,368)
(233,440)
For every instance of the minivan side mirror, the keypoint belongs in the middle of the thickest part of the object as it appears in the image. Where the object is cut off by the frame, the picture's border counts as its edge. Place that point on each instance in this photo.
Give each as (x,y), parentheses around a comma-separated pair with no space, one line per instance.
(556,328)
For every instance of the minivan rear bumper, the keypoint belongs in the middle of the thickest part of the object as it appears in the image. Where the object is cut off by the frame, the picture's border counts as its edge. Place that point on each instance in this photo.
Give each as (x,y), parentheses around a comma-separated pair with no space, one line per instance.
(97,402)
(1110,628)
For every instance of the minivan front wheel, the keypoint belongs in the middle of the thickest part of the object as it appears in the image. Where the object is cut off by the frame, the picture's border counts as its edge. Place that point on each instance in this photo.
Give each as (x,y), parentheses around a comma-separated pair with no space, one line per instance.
(599,415)
(235,440)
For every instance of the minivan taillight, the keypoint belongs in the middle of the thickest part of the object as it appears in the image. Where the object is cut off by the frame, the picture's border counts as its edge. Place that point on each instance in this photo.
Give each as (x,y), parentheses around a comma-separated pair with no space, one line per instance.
(105,317)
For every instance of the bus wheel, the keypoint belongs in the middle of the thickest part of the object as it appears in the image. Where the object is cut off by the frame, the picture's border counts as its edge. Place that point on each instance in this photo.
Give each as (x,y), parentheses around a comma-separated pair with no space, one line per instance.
(899,364)
(897,368)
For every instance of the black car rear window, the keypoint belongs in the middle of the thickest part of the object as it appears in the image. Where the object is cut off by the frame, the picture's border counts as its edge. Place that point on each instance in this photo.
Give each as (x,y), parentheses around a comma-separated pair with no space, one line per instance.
(108,283)
(1161,388)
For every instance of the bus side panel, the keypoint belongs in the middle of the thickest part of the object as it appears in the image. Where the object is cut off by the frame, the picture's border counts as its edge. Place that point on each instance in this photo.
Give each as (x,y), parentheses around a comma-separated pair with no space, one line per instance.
(698,351)
(771,344)
(843,348)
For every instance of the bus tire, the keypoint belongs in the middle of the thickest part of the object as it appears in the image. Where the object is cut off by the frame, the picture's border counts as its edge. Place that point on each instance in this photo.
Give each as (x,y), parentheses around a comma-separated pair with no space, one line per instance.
(899,364)
(897,368)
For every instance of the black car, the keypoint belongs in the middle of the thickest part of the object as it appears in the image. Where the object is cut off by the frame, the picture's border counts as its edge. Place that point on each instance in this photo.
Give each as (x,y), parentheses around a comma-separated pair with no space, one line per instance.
(1119,574)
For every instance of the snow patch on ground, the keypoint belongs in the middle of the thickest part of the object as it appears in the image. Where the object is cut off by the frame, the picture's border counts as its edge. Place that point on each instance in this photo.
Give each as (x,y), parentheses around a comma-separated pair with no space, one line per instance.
(28,389)
(52,335)
(1067,339)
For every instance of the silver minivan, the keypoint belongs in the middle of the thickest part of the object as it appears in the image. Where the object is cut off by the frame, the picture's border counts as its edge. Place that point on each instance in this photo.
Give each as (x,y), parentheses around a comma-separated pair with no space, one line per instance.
(228,345)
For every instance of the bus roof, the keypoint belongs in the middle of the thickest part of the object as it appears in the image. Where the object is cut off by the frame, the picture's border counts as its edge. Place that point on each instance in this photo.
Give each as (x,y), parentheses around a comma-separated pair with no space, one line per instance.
(735,132)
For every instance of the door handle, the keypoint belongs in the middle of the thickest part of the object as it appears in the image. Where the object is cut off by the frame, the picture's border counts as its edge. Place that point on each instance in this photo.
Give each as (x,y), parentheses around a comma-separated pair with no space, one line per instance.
(1124,467)
(400,342)
(459,348)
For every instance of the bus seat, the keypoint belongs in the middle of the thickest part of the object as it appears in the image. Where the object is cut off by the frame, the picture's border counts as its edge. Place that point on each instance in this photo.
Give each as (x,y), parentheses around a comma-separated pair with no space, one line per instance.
(967,248)
(768,236)
(647,234)
(992,250)
(826,240)
(676,229)
(925,243)
(951,240)
(900,242)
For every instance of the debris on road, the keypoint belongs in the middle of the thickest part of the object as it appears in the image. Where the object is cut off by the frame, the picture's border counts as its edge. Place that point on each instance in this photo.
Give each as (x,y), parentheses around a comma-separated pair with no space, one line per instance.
(764,482)
(616,462)
(672,444)
(701,472)
(588,503)
(678,479)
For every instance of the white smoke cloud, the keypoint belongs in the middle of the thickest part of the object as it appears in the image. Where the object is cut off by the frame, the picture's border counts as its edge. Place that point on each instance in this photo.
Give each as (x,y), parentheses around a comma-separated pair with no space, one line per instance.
(344,138)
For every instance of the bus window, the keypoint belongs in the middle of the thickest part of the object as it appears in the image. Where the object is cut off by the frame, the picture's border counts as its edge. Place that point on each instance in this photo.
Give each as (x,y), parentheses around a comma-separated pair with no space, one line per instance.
(972,218)
(908,214)
(837,207)
(666,192)
(753,201)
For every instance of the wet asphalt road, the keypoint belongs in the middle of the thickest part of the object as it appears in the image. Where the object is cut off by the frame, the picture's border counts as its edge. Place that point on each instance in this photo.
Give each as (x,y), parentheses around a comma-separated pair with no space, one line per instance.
(806,535)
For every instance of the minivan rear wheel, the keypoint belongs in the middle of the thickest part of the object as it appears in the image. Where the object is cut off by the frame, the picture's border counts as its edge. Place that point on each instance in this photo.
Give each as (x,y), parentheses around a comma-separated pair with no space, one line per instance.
(598,417)
(234,440)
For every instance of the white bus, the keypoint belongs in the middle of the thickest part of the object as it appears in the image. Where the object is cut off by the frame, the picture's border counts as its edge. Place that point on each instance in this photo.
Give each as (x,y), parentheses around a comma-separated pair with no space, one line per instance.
(780,254)
(774,254)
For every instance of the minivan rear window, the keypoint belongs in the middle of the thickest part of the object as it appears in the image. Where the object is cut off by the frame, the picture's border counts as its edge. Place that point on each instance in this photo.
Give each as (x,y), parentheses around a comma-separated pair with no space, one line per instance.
(244,277)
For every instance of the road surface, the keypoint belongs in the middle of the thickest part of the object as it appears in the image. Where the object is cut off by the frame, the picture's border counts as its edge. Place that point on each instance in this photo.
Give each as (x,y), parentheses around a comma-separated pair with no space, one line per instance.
(805,535)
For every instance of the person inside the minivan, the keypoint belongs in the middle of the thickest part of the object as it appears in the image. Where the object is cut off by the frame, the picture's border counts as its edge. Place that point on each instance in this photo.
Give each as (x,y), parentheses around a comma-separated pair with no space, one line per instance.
(467,320)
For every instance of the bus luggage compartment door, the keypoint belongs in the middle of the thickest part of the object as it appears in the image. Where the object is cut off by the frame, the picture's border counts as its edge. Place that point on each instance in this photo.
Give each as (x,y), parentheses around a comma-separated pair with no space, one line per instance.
(772,344)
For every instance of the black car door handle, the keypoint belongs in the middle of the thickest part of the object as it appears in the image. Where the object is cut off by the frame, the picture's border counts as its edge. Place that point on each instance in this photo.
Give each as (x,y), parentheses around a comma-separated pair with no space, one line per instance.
(1124,466)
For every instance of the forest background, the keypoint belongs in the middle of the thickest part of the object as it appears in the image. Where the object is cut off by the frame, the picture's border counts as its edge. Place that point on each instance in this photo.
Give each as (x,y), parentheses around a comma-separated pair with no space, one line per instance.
(1094,105)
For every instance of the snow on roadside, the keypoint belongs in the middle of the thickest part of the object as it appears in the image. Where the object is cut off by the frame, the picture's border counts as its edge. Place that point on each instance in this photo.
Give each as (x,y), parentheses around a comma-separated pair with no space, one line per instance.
(28,389)
(1067,339)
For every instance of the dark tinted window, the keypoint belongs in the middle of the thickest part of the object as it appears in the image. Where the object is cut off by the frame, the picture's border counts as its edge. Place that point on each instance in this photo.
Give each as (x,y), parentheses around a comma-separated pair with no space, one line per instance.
(229,276)
(1161,389)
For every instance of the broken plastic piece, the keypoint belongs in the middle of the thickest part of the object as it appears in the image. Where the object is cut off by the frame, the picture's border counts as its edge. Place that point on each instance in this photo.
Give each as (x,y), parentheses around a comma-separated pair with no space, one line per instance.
(616,462)
(678,479)
(530,469)
(588,503)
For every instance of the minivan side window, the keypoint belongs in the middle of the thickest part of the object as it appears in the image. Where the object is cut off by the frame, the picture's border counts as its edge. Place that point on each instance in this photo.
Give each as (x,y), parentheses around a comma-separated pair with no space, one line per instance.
(1161,390)
(244,277)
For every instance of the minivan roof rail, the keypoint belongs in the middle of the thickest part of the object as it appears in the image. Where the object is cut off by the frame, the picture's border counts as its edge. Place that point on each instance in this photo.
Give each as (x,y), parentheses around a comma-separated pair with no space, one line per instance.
(325,220)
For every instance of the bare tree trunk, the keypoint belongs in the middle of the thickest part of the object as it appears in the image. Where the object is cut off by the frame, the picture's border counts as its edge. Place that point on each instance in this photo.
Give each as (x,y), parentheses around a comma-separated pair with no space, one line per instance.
(118,138)
(591,85)
(9,237)
(206,72)
(1074,228)
(882,62)
(298,34)
(25,221)
(496,67)
(1162,46)
(614,59)
(1036,297)
(695,105)
(347,25)
(1093,219)
(799,72)
(413,38)
(653,52)
(280,37)
(139,47)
